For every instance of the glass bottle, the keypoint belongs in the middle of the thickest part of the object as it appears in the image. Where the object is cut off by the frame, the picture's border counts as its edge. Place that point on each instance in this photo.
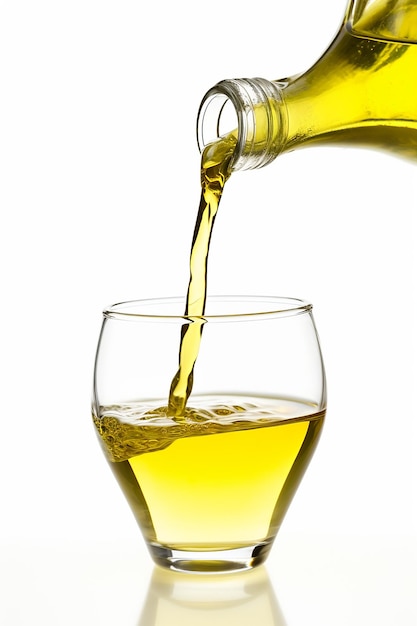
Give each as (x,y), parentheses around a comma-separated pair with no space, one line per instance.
(362,91)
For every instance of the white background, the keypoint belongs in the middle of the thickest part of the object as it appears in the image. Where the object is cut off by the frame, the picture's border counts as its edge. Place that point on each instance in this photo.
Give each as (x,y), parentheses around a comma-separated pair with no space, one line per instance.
(99,191)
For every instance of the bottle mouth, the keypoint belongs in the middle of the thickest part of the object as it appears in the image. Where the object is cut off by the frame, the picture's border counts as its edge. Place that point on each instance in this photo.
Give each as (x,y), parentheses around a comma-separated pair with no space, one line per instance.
(250,109)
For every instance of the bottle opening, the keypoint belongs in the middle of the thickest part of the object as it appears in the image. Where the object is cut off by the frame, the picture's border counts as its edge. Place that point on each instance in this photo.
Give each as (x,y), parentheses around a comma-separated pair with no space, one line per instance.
(253,110)
(217,119)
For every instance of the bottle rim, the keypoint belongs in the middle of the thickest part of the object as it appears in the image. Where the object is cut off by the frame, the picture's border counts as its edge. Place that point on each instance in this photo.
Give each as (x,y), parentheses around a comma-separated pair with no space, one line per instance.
(245,95)
(220,308)
(212,108)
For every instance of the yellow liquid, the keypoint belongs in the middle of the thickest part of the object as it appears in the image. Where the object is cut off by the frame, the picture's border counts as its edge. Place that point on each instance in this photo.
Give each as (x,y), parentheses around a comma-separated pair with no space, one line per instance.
(222,479)
(395,20)
(363,91)
(215,170)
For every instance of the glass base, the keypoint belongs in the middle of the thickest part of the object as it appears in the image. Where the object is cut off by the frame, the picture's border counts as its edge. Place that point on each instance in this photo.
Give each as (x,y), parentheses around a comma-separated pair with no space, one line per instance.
(210,562)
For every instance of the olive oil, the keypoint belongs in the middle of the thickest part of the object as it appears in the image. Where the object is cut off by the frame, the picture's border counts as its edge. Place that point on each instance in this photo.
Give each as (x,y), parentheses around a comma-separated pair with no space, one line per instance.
(220,480)
(215,170)
(361,92)
(394,20)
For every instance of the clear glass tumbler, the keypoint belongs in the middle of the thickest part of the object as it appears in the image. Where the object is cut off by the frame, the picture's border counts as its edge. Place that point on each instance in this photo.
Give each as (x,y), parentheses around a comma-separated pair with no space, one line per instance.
(210,487)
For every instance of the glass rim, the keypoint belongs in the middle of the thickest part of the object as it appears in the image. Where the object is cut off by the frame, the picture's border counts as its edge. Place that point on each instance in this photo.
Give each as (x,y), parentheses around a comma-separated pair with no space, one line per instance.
(269,306)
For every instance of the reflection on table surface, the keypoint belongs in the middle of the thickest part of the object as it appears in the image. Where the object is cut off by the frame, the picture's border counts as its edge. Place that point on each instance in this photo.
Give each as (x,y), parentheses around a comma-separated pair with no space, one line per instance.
(318,580)
(179,599)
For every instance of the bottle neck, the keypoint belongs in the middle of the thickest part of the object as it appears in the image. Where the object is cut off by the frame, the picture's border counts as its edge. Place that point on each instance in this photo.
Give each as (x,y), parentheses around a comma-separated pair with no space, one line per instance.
(253,110)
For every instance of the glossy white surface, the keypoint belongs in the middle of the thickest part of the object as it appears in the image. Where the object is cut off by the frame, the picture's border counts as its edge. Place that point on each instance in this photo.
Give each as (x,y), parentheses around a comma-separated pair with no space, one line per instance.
(319,581)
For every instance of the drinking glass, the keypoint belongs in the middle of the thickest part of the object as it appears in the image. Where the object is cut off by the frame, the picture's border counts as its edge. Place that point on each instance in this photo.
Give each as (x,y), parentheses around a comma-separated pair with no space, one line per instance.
(209,486)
